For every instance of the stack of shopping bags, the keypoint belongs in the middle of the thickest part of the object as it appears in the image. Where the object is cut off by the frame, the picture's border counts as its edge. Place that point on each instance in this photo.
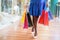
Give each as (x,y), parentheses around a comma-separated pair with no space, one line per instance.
(26,20)
(45,17)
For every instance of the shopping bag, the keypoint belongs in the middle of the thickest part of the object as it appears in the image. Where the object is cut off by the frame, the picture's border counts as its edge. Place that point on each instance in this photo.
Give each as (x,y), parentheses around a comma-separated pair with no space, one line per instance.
(23,17)
(41,19)
(50,17)
(25,22)
(46,20)
(29,20)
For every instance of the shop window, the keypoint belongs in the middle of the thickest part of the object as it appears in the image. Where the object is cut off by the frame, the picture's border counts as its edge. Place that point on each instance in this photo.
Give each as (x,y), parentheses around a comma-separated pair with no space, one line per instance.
(6,6)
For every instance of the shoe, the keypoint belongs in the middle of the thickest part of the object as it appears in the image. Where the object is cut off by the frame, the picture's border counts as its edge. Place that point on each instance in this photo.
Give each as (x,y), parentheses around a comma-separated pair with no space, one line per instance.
(33,35)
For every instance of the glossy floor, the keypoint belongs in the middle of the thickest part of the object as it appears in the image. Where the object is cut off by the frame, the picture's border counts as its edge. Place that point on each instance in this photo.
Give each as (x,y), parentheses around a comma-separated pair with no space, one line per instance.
(44,33)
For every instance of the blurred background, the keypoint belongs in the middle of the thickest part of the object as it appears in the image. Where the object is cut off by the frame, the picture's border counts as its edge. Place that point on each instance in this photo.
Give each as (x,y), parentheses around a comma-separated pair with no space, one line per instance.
(11,28)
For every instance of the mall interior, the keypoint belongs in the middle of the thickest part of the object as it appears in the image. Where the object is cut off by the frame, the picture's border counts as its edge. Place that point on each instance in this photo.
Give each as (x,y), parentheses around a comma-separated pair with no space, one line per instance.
(12,27)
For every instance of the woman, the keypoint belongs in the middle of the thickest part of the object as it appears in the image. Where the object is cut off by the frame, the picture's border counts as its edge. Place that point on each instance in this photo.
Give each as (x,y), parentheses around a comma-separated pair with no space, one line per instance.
(35,9)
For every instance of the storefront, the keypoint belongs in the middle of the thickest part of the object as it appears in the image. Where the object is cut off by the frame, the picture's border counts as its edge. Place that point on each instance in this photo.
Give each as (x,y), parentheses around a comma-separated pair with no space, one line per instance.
(53,6)
(8,6)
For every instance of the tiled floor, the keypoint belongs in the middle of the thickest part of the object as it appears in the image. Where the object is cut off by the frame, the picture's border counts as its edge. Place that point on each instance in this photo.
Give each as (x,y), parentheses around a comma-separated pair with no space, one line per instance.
(44,33)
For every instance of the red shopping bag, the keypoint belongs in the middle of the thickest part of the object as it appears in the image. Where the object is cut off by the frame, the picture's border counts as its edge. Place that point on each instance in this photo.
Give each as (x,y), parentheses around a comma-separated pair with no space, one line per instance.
(41,19)
(46,20)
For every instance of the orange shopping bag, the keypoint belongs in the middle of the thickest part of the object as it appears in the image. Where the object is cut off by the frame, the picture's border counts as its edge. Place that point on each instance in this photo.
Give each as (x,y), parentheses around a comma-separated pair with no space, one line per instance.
(23,17)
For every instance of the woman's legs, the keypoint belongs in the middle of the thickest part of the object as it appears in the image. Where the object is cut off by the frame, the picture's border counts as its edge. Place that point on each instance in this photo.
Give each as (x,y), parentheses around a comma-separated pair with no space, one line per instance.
(34,28)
